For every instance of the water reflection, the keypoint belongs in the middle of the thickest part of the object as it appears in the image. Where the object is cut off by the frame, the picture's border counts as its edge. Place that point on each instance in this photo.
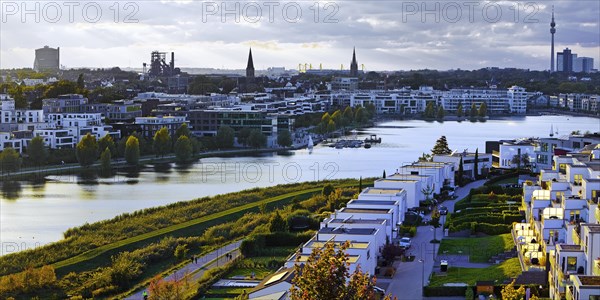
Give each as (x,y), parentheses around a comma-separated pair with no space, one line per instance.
(11,190)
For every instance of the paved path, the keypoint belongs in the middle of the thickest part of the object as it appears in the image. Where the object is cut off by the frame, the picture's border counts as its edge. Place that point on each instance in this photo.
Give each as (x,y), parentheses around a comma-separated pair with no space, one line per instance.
(205,263)
(411,276)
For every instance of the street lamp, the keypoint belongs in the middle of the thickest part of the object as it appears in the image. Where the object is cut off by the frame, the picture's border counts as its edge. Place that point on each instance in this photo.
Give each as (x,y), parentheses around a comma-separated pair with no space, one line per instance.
(422,261)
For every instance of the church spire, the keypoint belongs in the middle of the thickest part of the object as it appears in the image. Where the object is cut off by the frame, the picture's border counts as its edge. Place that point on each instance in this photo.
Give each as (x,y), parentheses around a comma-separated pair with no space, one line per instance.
(250,67)
(354,64)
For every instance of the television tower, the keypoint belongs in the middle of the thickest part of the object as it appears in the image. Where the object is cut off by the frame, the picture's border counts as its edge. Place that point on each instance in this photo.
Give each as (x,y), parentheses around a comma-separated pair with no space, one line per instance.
(552,31)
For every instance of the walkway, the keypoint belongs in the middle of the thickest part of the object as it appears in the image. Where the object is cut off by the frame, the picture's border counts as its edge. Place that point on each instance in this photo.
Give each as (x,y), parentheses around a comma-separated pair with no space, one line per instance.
(197,270)
(411,276)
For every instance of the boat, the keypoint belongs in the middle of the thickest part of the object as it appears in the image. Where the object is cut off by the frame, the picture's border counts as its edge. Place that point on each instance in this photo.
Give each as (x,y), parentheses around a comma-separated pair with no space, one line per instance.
(551,131)
(367,146)
(373,139)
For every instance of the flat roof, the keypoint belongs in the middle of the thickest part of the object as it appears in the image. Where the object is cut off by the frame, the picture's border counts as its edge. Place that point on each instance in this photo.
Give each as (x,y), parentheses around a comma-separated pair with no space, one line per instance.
(381,191)
(373,202)
(365,210)
(358,221)
(342,230)
(570,247)
(594,228)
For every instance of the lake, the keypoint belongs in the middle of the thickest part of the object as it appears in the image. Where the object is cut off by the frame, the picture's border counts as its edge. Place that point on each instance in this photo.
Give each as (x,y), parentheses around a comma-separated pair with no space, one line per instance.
(33,214)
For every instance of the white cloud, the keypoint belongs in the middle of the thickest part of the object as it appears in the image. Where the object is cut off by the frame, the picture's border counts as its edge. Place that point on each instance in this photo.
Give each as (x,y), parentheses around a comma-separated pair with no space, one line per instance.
(385,35)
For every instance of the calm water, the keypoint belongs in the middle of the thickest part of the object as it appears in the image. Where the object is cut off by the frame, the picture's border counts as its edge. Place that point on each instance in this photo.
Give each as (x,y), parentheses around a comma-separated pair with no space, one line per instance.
(35,214)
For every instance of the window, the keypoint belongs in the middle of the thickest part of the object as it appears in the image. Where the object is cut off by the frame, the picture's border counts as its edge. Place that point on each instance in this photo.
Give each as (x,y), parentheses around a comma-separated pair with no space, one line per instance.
(577,178)
(571,263)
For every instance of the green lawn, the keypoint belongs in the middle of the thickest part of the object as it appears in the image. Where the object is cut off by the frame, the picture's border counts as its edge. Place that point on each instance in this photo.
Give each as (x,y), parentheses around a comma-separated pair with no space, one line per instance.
(213,218)
(478,249)
(508,269)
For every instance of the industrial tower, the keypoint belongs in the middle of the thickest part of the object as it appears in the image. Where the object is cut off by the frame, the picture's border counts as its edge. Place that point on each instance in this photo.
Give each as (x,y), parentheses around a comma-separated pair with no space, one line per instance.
(552,31)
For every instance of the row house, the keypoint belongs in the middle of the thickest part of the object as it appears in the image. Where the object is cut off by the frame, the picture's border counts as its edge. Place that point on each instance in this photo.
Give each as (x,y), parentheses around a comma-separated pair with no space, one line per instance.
(564,223)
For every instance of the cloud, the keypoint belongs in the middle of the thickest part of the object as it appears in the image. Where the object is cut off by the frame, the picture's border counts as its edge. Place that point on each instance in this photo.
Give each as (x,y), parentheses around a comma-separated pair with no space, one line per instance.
(388,34)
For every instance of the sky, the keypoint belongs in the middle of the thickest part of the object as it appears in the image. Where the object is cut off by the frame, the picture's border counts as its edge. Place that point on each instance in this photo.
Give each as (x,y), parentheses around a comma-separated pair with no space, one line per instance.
(387,34)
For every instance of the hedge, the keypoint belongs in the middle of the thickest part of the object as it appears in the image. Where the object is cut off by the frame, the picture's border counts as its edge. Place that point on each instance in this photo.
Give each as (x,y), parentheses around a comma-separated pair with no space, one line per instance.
(487,228)
(257,244)
(444,291)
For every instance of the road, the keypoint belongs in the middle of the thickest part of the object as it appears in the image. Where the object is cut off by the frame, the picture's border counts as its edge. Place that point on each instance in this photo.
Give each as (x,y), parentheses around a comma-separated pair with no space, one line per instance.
(411,276)
(196,270)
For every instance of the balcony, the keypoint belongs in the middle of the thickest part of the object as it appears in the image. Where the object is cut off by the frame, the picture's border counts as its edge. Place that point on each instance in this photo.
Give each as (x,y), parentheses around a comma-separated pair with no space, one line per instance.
(495,153)
(596,267)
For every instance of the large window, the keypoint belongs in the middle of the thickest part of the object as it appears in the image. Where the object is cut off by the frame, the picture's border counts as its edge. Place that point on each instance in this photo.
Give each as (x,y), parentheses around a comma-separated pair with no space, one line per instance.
(577,179)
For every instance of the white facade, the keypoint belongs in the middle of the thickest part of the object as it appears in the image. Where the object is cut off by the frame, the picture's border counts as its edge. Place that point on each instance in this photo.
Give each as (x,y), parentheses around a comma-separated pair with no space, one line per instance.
(484,162)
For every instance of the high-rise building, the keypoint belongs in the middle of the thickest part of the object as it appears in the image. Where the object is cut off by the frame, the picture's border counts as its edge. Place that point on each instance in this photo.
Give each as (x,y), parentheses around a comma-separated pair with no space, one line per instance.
(583,64)
(250,67)
(564,61)
(552,31)
(47,59)
(354,65)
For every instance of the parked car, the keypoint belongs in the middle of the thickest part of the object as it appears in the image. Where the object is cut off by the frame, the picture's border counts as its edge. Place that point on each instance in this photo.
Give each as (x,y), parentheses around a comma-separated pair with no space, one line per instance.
(443,210)
(405,242)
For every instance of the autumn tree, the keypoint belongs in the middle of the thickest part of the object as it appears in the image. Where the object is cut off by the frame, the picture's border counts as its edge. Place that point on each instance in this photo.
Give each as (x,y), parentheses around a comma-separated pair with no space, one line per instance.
(105,164)
(107,141)
(87,150)
(132,150)
(325,275)
(37,152)
(161,143)
(441,146)
(162,289)
(183,149)
(474,110)
(9,160)
(182,130)
(510,293)
(482,110)
(459,111)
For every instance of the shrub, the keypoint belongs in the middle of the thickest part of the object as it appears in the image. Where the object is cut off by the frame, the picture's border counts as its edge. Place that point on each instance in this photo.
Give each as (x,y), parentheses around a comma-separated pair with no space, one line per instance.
(408,230)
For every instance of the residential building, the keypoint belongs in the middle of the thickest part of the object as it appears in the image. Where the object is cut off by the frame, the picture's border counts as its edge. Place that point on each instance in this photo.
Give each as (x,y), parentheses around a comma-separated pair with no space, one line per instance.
(71,103)
(484,162)
(150,125)
(511,154)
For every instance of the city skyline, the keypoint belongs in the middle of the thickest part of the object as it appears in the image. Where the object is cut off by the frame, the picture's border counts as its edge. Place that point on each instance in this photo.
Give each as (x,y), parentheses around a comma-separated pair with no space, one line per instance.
(388,35)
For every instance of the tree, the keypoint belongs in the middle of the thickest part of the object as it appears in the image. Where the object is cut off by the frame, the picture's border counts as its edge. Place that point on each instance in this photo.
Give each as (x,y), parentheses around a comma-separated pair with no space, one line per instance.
(327,190)
(80,82)
(225,137)
(510,293)
(441,146)
(460,174)
(383,174)
(257,139)
(38,154)
(183,130)
(162,289)
(459,111)
(435,223)
(181,251)
(474,111)
(360,185)
(277,223)
(132,150)
(348,116)
(441,113)
(429,111)
(125,268)
(243,135)
(202,85)
(331,126)
(87,150)
(325,276)
(183,149)
(284,138)
(520,160)
(161,143)
(9,160)
(476,164)
(482,110)
(105,166)
(107,142)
